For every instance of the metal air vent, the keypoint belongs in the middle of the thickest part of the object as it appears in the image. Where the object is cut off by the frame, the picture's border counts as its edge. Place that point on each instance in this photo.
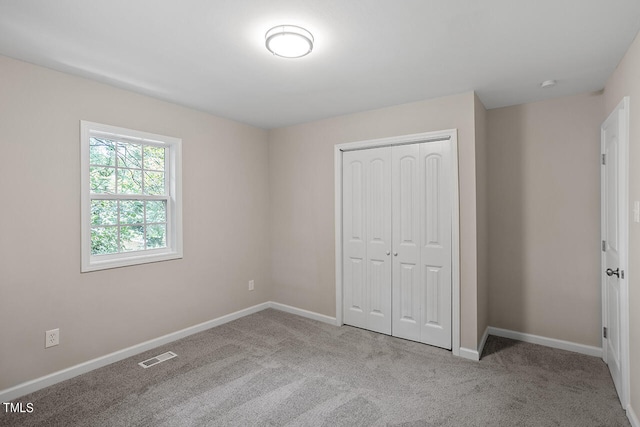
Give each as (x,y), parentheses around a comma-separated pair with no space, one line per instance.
(158,359)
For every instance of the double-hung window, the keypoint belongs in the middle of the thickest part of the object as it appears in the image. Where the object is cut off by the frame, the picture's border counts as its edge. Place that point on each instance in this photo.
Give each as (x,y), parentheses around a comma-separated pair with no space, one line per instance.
(131,201)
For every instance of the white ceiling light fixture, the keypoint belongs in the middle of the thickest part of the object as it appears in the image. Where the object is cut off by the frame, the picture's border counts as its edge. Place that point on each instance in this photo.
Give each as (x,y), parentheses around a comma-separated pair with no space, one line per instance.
(289,41)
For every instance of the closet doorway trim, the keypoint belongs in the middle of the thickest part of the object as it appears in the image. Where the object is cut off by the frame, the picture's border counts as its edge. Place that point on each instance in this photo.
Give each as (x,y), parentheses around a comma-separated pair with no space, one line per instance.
(451,135)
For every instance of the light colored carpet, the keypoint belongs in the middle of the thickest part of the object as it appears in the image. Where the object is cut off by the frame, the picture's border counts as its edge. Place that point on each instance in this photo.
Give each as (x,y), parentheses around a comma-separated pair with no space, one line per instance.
(275,369)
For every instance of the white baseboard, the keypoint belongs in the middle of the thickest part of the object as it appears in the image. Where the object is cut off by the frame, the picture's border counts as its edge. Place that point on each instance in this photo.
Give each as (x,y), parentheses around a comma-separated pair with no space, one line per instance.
(467,353)
(73,371)
(470,354)
(548,342)
(633,418)
(483,341)
(304,313)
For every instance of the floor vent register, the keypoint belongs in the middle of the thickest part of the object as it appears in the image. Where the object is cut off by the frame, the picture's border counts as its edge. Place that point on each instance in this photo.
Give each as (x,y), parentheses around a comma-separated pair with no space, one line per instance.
(158,359)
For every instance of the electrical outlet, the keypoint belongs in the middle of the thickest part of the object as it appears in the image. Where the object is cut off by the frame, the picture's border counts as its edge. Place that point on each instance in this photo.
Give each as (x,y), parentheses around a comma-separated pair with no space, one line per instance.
(251,285)
(52,338)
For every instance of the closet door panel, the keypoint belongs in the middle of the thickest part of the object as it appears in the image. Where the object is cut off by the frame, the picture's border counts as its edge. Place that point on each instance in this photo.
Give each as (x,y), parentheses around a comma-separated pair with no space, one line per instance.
(435,229)
(378,232)
(367,239)
(406,242)
(354,229)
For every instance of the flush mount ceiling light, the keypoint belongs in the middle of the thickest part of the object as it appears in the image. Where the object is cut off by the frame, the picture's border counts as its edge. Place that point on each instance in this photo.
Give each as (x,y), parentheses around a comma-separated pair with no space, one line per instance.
(289,41)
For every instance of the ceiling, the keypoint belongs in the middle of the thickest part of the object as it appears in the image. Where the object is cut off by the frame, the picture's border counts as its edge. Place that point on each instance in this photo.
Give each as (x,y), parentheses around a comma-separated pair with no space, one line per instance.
(210,54)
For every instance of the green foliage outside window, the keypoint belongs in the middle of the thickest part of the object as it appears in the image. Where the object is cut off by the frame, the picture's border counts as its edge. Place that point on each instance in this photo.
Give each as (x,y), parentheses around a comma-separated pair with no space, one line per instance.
(129,224)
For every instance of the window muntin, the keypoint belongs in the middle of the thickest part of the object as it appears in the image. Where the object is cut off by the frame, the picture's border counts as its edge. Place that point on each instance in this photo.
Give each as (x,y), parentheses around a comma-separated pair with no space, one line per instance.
(131,197)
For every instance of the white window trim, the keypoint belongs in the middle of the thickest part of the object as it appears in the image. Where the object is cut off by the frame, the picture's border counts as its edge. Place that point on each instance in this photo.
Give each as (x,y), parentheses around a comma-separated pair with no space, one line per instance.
(174,207)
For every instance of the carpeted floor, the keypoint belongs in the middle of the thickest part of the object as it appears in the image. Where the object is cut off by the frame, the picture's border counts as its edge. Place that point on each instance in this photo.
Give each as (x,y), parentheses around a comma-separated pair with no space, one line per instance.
(274,369)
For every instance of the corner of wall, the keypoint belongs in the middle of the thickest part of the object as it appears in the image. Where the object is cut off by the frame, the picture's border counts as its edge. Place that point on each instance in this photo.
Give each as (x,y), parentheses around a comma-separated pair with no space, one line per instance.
(482,218)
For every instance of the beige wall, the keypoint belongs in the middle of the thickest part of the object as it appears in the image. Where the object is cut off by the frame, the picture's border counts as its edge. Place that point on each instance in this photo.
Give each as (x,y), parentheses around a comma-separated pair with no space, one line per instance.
(482,215)
(226,199)
(301,165)
(544,210)
(625,81)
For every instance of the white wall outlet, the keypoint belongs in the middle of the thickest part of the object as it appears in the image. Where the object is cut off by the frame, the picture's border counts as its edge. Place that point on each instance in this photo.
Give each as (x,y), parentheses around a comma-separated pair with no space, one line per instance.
(251,285)
(52,338)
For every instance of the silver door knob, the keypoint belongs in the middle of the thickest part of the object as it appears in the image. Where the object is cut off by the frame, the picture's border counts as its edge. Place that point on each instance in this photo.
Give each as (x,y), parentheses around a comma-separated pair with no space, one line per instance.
(615,272)
(388,252)
(395,254)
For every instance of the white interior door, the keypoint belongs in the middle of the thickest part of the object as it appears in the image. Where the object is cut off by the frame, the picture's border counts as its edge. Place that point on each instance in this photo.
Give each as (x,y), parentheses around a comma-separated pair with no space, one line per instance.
(422,243)
(407,269)
(435,208)
(397,241)
(614,134)
(367,239)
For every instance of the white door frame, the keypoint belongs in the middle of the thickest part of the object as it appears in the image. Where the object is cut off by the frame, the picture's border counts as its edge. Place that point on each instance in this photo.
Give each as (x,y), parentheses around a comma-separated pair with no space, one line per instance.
(623,206)
(450,134)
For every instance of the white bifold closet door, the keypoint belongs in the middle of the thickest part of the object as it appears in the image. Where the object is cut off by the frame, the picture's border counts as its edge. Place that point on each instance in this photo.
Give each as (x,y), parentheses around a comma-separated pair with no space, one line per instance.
(397,241)
(367,238)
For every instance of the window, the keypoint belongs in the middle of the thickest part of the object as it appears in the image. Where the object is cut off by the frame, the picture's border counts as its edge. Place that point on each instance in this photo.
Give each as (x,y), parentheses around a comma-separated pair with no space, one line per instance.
(131,201)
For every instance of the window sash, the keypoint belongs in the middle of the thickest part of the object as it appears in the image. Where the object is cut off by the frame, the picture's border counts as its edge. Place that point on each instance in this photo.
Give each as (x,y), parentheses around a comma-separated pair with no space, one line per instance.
(129,197)
(168,153)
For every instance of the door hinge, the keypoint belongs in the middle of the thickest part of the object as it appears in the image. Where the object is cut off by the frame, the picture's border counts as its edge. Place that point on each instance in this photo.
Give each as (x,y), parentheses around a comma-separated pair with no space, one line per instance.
(604,332)
(604,246)
(604,159)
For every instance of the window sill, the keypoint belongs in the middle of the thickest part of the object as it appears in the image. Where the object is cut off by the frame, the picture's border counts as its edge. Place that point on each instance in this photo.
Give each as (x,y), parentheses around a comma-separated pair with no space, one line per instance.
(94,264)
